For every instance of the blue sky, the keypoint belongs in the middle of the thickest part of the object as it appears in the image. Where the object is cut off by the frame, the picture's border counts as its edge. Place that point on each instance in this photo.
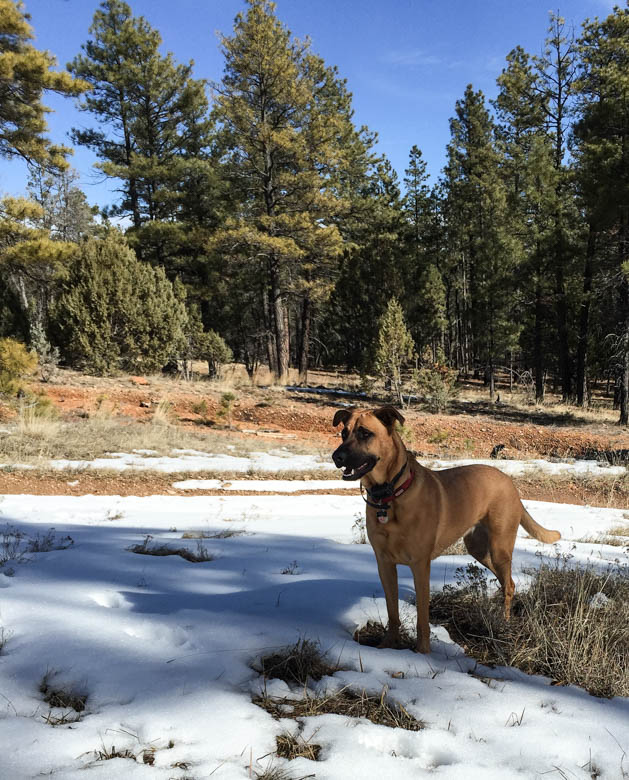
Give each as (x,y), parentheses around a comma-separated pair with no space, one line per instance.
(406,61)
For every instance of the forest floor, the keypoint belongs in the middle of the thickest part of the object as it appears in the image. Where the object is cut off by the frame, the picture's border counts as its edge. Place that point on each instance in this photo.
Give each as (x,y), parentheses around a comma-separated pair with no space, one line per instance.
(94,416)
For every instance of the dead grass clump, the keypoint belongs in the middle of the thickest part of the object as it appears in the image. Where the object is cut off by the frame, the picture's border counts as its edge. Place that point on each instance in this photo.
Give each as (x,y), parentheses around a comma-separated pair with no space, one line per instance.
(272,772)
(106,754)
(352,704)
(200,555)
(613,541)
(572,625)
(372,634)
(297,664)
(619,530)
(225,533)
(290,746)
(458,548)
(64,697)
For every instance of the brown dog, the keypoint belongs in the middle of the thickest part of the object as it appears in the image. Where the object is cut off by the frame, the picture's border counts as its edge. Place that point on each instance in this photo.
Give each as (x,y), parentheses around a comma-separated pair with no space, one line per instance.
(413,513)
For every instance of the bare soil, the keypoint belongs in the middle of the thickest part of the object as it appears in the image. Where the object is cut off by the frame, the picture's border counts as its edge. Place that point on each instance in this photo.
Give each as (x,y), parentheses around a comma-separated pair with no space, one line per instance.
(472,428)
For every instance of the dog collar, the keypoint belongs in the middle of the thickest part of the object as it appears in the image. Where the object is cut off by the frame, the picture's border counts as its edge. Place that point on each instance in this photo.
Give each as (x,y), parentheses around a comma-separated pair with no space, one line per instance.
(385,494)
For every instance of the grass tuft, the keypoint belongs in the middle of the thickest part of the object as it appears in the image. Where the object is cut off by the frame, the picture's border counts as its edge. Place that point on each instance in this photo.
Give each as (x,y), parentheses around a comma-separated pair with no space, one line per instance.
(372,634)
(63,697)
(380,710)
(297,664)
(570,625)
(290,746)
(200,555)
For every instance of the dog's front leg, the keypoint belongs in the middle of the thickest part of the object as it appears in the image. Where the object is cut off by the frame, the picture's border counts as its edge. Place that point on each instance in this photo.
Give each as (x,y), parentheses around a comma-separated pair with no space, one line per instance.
(421,575)
(388,578)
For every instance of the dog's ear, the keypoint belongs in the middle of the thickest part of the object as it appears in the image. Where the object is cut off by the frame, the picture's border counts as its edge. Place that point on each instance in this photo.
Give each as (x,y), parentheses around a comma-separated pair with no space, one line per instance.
(341,416)
(388,416)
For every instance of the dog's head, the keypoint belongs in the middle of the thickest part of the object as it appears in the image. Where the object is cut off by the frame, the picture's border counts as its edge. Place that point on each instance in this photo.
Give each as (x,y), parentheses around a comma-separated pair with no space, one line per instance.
(367,441)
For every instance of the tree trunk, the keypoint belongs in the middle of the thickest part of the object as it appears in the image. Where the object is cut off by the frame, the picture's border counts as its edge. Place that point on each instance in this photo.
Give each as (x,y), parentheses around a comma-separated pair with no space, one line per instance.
(562,333)
(304,345)
(537,336)
(280,322)
(584,322)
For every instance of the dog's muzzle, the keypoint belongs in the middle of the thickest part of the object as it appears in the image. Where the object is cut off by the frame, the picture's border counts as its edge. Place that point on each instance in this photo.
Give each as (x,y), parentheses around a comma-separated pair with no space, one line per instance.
(354,464)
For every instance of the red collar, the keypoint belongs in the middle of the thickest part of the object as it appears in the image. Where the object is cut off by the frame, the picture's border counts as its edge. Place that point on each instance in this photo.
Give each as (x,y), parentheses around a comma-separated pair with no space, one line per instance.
(380,504)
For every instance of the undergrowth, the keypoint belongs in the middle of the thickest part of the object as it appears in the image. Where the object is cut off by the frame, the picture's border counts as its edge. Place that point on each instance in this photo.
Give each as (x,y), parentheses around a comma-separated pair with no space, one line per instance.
(571,624)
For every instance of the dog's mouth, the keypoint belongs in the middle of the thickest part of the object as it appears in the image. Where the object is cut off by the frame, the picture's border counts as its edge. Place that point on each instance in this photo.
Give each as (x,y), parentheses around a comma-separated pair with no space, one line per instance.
(356,472)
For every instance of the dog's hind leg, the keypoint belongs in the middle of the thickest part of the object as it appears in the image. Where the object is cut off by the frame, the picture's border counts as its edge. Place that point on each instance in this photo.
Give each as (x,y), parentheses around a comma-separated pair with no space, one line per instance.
(501,550)
(477,542)
(494,551)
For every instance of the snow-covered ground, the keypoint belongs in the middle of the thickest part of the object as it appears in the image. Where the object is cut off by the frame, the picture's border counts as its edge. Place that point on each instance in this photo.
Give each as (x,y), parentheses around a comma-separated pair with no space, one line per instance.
(282,459)
(163,648)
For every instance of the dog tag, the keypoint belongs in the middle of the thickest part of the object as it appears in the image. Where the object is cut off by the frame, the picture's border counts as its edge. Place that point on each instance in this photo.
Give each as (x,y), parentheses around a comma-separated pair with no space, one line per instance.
(383,517)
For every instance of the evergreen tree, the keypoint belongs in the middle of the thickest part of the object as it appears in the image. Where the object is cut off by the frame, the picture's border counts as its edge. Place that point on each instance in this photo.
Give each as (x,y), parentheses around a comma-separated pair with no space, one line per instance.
(530,177)
(115,312)
(395,348)
(289,142)
(556,70)
(31,263)
(481,238)
(65,212)
(372,270)
(25,74)
(424,297)
(154,134)
(602,153)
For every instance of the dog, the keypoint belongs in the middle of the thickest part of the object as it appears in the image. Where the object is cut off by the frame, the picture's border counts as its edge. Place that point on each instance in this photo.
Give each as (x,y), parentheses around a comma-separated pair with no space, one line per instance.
(414,514)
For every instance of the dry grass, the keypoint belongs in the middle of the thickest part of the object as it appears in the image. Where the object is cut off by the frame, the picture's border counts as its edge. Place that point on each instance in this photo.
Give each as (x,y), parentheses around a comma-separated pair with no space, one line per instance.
(200,555)
(596,490)
(103,432)
(297,664)
(372,634)
(226,533)
(352,704)
(64,697)
(572,625)
(619,530)
(291,746)
(458,548)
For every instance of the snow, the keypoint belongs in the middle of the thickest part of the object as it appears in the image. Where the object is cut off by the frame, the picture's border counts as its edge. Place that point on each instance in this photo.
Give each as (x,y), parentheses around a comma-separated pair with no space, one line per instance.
(194,460)
(282,459)
(163,647)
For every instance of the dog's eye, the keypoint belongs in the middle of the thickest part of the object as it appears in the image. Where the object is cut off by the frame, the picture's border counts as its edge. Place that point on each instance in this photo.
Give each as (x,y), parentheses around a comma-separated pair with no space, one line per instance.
(363,433)
(344,433)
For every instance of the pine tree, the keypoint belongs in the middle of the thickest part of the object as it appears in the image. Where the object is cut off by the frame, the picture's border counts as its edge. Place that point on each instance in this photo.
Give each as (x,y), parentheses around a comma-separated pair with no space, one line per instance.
(157,134)
(395,349)
(288,141)
(65,212)
(480,237)
(556,70)
(530,178)
(25,74)
(602,151)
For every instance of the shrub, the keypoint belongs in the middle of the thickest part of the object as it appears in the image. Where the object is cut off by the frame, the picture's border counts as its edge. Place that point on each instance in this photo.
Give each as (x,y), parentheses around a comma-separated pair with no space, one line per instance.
(115,312)
(16,361)
(436,383)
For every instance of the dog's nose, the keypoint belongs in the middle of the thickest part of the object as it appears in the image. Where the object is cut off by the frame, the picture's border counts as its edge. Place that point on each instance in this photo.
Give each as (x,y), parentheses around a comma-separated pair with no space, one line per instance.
(339,456)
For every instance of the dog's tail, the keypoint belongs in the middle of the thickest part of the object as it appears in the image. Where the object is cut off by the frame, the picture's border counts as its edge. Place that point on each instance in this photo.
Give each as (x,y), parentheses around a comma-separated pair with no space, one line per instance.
(536,530)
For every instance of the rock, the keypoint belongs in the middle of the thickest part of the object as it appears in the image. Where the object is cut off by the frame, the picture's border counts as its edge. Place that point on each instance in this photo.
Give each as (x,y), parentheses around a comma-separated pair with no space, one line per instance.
(138,380)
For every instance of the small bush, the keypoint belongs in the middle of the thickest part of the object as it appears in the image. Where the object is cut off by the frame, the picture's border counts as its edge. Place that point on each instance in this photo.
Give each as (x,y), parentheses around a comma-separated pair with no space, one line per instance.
(436,383)
(16,362)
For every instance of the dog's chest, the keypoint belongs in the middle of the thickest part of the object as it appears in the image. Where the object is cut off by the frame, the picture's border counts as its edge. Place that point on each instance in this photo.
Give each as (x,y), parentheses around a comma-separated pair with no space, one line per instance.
(388,540)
